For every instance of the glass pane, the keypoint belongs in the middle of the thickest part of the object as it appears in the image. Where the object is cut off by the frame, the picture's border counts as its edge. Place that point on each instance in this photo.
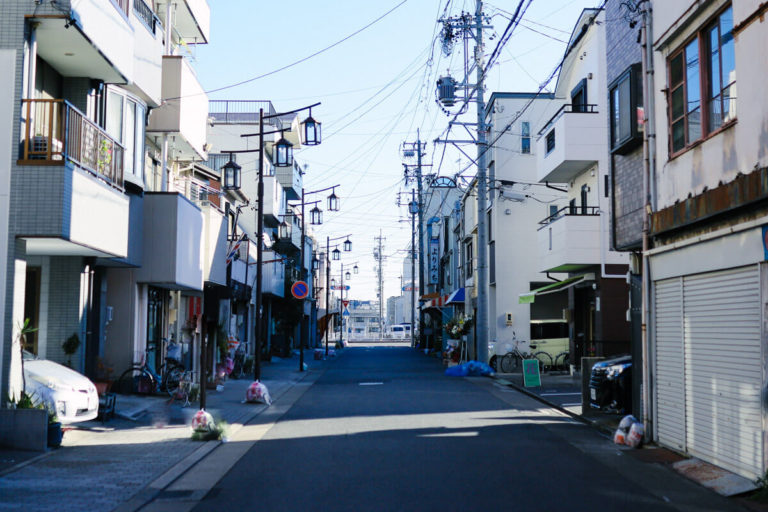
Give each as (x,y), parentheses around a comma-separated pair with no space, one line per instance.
(615,117)
(130,137)
(678,103)
(139,151)
(526,127)
(626,110)
(115,116)
(729,103)
(694,125)
(714,63)
(676,70)
(726,46)
(692,83)
(526,149)
(678,135)
(715,113)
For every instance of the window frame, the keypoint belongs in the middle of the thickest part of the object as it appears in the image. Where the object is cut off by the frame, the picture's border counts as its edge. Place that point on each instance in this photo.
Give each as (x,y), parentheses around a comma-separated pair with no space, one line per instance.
(705,72)
(525,136)
(633,74)
(138,128)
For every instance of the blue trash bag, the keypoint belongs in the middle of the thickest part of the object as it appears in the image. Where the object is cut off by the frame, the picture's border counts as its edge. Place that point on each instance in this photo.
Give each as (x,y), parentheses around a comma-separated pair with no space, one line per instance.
(460,370)
(473,368)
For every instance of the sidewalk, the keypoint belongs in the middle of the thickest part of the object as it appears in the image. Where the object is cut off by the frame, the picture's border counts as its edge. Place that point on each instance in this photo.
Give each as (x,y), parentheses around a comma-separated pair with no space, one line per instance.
(99,466)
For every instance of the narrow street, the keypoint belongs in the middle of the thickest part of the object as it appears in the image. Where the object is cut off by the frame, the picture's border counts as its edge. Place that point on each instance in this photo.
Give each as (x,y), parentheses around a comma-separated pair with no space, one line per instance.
(382,428)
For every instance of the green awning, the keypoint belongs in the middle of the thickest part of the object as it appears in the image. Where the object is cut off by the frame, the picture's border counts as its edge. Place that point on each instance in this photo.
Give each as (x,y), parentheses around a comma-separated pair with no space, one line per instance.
(530,297)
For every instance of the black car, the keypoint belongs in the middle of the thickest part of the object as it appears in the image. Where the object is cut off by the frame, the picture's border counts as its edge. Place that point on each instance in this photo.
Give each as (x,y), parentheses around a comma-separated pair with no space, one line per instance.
(610,385)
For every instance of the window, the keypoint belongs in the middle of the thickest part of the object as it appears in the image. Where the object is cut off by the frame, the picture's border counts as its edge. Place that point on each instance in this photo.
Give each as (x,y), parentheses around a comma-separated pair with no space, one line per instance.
(468,259)
(691,117)
(626,110)
(579,97)
(525,141)
(125,122)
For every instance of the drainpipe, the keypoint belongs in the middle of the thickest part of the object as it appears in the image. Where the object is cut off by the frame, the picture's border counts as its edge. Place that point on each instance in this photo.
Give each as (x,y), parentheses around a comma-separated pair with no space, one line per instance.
(31,67)
(649,194)
(164,158)
(168,29)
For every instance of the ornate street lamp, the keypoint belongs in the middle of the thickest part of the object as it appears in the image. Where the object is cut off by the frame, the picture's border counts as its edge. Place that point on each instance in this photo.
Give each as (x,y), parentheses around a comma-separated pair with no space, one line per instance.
(336,254)
(347,245)
(231,172)
(356,269)
(347,276)
(315,264)
(311,131)
(315,216)
(283,152)
(333,282)
(333,202)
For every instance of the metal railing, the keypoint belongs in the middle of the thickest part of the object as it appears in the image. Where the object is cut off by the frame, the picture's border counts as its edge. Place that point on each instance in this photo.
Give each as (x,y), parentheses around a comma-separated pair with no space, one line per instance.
(568,108)
(146,15)
(55,131)
(570,210)
(238,111)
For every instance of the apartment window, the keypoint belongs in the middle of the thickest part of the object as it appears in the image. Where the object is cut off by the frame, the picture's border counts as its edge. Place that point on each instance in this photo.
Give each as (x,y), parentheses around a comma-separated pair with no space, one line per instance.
(626,110)
(492,262)
(692,117)
(525,140)
(125,122)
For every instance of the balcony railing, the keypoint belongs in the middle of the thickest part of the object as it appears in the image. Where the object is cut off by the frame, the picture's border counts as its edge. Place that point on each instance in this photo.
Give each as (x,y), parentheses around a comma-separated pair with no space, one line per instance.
(570,210)
(146,15)
(568,108)
(55,131)
(239,111)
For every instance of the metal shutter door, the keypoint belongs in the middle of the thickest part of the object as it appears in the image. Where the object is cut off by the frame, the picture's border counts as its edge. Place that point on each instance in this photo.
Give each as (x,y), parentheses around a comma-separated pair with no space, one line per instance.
(723,368)
(670,391)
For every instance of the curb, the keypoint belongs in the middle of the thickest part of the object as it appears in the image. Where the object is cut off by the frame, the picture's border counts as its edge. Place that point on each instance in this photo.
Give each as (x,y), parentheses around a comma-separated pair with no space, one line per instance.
(155,488)
(543,400)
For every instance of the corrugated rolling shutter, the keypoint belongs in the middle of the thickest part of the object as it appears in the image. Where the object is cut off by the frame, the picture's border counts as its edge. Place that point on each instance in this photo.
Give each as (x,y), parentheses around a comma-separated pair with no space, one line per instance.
(670,390)
(723,368)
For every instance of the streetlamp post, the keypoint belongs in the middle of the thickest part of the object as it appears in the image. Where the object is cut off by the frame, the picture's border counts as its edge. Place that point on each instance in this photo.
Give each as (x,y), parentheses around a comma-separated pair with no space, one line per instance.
(283,155)
(335,255)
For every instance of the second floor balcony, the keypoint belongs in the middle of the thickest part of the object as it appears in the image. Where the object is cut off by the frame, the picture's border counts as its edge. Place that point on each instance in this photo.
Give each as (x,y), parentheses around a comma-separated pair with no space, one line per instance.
(569,239)
(570,143)
(55,133)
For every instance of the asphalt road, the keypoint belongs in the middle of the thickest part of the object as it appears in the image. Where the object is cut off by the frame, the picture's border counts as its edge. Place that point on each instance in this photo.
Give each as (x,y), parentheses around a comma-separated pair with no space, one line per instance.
(383,429)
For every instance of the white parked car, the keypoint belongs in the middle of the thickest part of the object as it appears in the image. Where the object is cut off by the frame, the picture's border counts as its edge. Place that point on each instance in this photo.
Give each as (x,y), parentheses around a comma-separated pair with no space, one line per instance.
(71,395)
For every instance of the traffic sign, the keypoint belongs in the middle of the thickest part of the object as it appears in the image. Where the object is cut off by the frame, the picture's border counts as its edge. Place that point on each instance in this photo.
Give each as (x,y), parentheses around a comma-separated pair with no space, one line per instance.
(300,290)
(339,287)
(345,302)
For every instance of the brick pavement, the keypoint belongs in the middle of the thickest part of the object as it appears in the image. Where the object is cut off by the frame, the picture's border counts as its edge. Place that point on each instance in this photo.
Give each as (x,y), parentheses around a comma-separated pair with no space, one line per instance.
(98,467)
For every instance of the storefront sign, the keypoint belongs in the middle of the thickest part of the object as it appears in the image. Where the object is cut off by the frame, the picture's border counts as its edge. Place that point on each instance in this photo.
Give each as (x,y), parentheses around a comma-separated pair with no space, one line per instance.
(434,260)
(531,375)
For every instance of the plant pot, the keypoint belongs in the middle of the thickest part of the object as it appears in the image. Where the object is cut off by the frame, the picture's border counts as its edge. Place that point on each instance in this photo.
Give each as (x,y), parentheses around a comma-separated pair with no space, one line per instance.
(55,435)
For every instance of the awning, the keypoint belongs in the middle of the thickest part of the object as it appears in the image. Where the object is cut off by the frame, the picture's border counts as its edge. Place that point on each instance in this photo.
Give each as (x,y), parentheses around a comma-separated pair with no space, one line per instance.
(457,297)
(530,297)
(437,302)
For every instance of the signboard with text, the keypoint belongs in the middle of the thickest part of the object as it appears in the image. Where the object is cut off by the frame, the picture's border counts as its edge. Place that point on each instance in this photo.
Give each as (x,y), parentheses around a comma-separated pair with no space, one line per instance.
(434,260)
(531,375)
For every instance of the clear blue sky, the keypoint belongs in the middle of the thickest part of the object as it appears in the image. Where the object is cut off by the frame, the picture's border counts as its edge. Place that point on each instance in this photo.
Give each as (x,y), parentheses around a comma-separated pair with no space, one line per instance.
(376,89)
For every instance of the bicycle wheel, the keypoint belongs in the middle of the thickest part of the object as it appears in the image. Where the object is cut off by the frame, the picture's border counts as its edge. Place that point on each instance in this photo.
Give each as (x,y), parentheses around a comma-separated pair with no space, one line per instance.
(171,379)
(562,360)
(545,361)
(509,363)
(135,380)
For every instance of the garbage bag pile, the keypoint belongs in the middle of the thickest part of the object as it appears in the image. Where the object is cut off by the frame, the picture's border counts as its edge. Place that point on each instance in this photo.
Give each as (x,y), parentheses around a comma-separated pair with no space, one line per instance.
(257,392)
(473,368)
(630,432)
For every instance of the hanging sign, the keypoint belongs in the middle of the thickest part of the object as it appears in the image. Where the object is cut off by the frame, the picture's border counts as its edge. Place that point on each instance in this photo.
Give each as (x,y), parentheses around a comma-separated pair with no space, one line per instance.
(531,375)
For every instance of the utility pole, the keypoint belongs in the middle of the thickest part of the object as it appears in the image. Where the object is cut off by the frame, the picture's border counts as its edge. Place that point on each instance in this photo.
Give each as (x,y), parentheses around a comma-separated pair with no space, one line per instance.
(413,207)
(481,317)
(380,257)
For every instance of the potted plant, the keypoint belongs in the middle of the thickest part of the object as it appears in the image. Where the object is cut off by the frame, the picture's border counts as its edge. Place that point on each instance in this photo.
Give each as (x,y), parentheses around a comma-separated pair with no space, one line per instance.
(70,346)
(55,434)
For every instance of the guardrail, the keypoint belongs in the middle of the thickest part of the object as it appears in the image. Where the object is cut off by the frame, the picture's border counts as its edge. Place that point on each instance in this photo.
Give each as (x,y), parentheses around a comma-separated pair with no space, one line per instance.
(569,211)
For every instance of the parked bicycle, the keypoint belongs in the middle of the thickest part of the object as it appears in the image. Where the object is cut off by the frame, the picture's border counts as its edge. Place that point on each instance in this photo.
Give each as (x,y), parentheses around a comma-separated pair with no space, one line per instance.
(240,358)
(183,388)
(512,360)
(142,378)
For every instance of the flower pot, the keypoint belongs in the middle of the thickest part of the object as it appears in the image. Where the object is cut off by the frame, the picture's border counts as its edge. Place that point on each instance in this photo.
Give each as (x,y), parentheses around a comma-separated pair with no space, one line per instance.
(55,435)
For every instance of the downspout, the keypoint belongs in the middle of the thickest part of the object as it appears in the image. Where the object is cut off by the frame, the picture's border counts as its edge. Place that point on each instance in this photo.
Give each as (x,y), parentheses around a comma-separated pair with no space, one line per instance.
(649,194)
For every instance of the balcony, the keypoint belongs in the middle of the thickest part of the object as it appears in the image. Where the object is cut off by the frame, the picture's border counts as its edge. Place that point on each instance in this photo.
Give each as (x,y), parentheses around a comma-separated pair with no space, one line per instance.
(274,205)
(90,39)
(215,245)
(291,180)
(184,113)
(239,111)
(290,236)
(192,19)
(54,132)
(570,143)
(173,242)
(148,52)
(569,239)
